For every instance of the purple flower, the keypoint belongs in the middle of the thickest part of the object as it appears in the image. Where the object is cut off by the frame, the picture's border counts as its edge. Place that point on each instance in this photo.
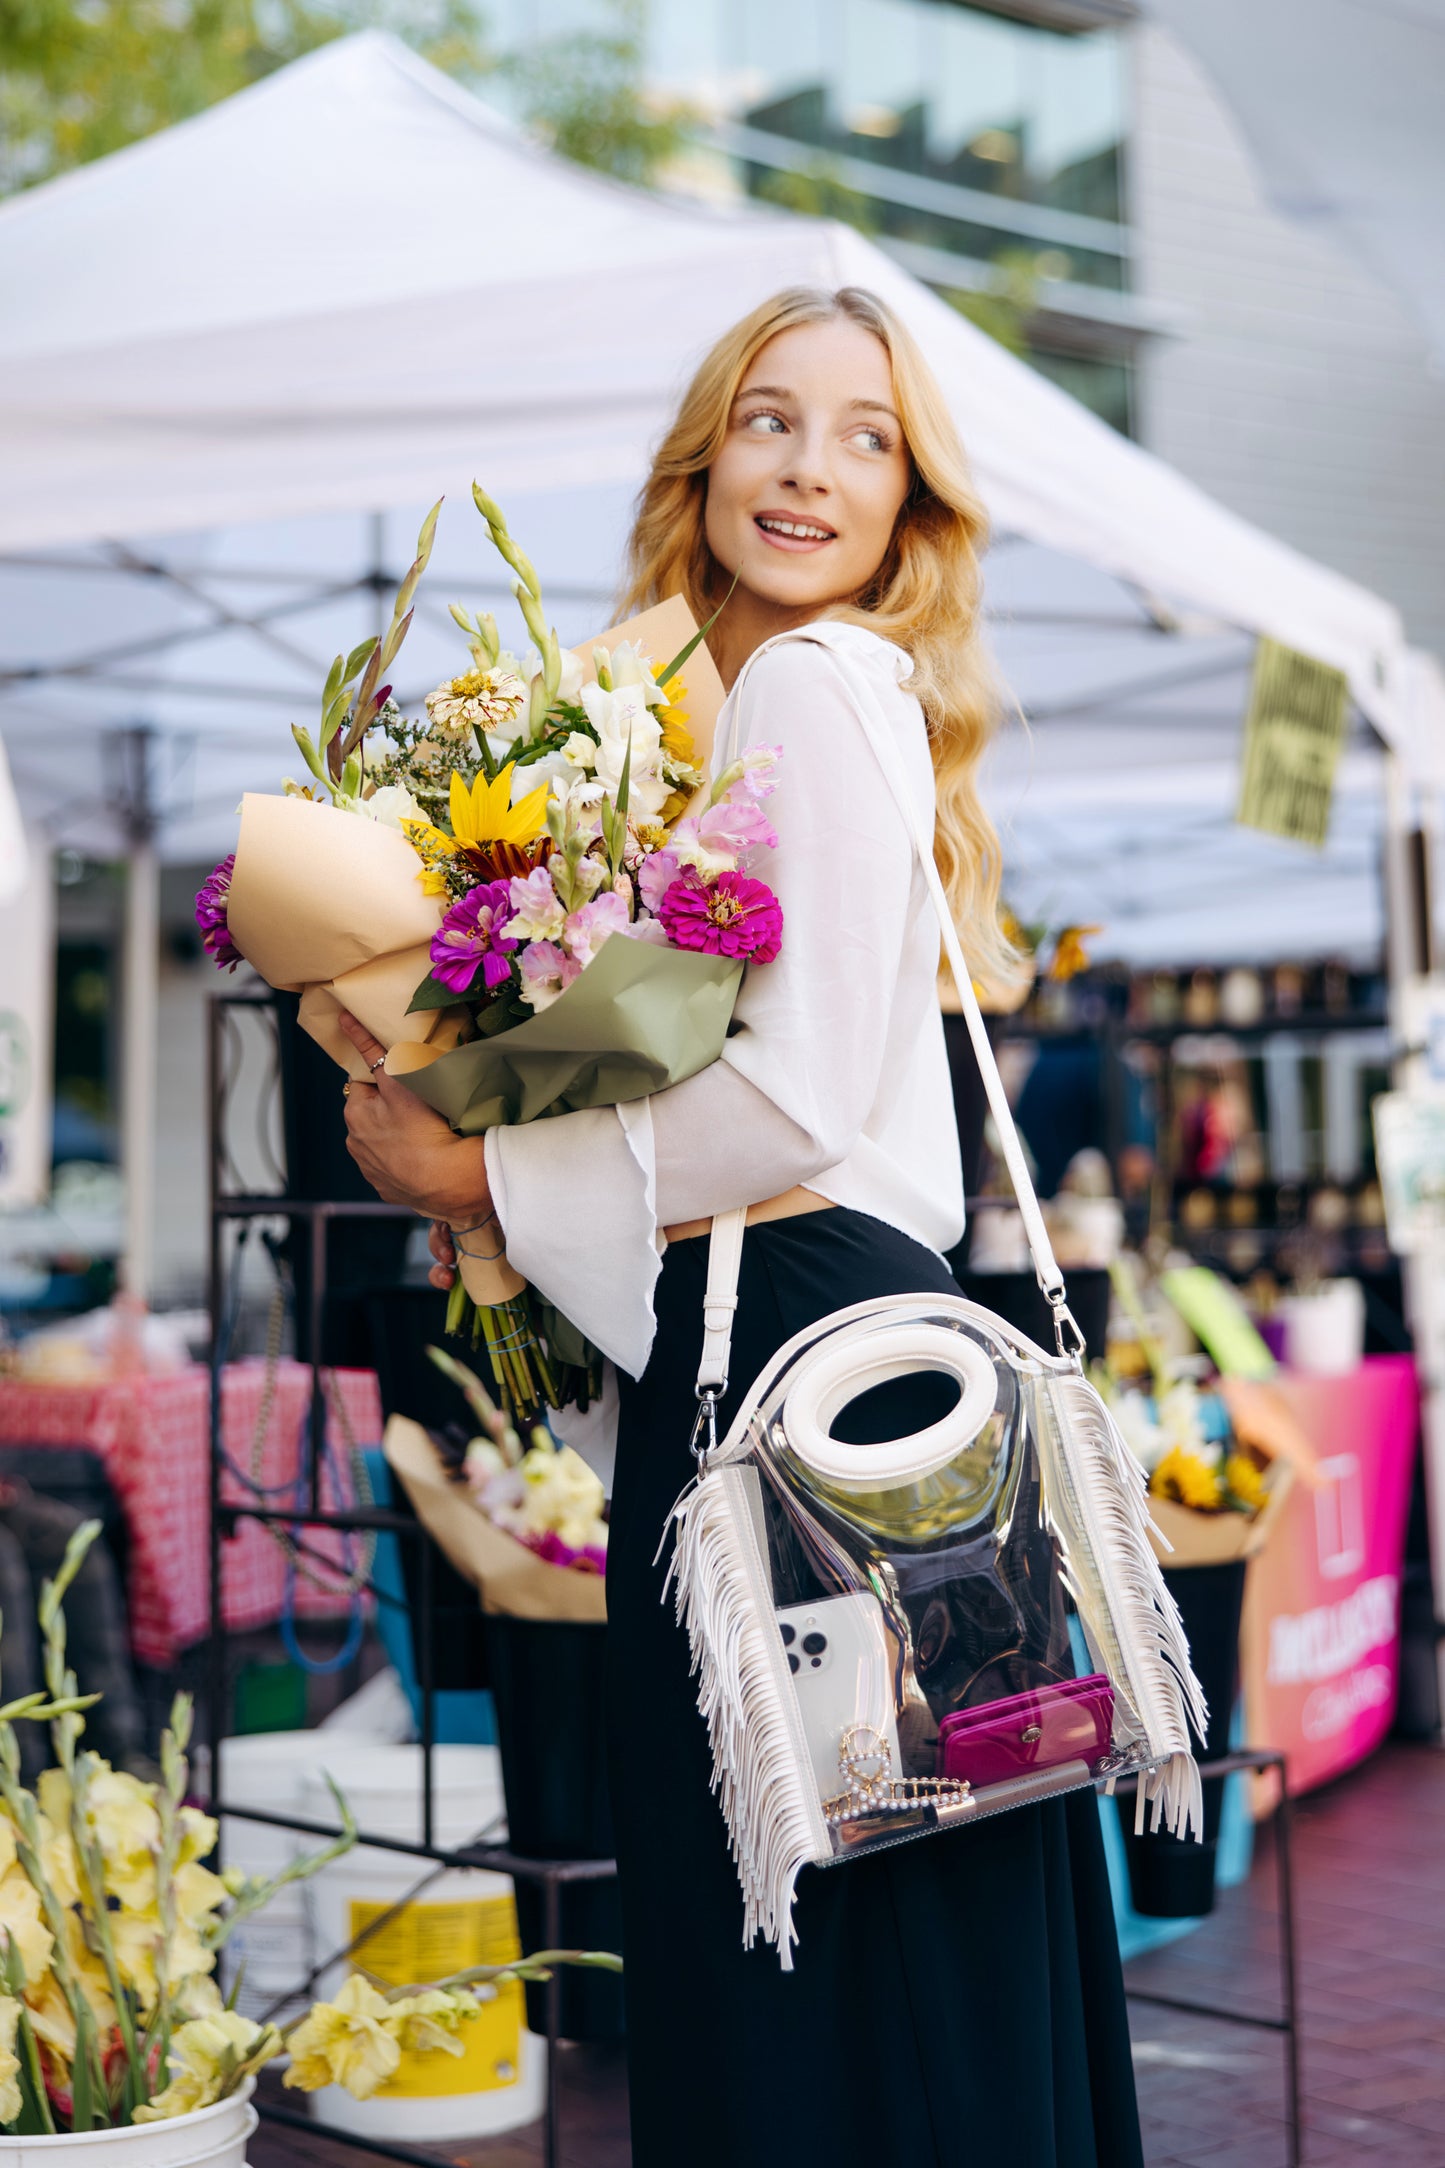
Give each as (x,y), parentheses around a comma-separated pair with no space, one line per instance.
(471,935)
(212,900)
(733,916)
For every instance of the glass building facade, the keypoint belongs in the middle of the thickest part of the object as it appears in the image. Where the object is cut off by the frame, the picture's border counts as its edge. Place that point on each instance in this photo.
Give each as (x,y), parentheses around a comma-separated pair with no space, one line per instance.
(982,148)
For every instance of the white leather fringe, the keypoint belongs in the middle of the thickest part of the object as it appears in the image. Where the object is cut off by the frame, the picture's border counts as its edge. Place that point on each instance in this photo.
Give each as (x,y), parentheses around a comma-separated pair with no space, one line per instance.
(757,1765)
(1096,1506)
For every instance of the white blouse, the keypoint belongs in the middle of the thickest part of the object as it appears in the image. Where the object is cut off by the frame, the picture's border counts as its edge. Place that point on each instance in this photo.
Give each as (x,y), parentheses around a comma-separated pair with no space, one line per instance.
(837,1078)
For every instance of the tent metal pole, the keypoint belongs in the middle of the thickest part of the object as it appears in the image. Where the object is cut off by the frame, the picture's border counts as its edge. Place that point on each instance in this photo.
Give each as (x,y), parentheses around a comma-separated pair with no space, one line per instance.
(141,991)
(1407,952)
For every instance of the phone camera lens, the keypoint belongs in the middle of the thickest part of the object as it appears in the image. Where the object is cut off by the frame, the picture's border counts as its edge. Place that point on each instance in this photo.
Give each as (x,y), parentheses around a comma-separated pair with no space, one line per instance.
(792,1661)
(789,1634)
(814,1644)
(817,1663)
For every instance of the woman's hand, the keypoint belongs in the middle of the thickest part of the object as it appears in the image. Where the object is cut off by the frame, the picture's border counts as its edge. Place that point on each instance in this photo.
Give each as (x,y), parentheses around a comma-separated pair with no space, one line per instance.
(406,1151)
(444,1250)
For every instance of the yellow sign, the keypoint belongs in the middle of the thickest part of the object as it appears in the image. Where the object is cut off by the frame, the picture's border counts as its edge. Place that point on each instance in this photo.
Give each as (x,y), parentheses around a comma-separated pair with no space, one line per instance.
(411,1944)
(1293,730)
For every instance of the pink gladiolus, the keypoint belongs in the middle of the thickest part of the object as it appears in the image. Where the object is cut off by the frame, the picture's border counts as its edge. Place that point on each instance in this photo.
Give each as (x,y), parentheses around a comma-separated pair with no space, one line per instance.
(470,936)
(758,779)
(733,916)
(655,877)
(593,923)
(736,827)
(547,971)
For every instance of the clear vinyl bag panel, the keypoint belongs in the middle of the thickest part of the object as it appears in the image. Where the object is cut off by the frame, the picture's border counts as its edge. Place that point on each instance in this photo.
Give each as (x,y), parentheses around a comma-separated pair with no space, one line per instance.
(895,1609)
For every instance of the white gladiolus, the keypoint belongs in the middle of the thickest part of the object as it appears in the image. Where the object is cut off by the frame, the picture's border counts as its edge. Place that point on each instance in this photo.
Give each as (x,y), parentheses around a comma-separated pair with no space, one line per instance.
(553,768)
(631,667)
(623,718)
(570,688)
(391,805)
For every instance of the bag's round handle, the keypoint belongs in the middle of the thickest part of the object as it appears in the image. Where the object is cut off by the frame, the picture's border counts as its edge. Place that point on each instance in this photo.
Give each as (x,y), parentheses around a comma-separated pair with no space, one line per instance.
(839,1371)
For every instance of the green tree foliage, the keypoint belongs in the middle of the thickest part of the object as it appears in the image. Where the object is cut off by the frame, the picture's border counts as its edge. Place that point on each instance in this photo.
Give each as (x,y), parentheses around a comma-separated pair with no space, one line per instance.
(79,78)
(585,95)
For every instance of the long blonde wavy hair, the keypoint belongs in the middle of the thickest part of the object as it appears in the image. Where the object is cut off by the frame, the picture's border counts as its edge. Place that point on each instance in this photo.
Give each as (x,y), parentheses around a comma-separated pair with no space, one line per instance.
(925,595)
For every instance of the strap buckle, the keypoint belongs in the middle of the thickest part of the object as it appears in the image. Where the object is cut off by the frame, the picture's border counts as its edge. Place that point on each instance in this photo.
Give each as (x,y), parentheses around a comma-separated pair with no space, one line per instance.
(703,1447)
(1064,1318)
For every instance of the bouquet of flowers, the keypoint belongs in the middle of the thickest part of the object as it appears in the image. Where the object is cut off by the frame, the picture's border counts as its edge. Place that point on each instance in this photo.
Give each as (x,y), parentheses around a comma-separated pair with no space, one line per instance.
(527,894)
(110,1925)
(1217,1460)
(543,1495)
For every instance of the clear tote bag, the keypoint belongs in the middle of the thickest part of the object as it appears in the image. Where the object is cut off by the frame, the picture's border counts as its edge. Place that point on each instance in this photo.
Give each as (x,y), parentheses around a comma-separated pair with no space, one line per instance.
(880,1632)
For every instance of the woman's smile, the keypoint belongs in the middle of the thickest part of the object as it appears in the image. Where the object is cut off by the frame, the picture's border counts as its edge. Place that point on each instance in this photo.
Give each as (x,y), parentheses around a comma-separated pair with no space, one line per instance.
(785,531)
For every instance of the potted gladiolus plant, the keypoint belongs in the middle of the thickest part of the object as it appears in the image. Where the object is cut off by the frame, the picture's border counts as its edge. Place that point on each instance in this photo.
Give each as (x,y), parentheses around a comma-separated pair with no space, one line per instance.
(113,2030)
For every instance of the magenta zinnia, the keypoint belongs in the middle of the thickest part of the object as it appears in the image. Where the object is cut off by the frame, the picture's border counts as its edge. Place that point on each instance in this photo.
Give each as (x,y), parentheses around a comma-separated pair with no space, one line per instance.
(471,935)
(733,916)
(212,899)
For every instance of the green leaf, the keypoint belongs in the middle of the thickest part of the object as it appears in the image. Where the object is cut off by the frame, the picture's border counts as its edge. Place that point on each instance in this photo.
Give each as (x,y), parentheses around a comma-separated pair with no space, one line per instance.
(357,657)
(82,2113)
(698,637)
(333,683)
(431,994)
(35,2118)
(502,1013)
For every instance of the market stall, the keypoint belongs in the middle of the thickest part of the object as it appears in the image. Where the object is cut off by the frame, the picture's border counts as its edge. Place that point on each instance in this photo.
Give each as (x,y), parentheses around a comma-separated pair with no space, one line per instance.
(151,1434)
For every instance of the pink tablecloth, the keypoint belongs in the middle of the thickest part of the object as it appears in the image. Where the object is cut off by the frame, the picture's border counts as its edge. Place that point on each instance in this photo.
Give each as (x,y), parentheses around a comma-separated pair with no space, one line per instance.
(151,1434)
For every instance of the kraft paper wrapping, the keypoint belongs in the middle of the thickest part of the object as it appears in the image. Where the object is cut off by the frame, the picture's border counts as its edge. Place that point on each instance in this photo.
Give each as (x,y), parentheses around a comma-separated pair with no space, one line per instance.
(328,904)
(1212,1539)
(660,633)
(638,1019)
(510,1579)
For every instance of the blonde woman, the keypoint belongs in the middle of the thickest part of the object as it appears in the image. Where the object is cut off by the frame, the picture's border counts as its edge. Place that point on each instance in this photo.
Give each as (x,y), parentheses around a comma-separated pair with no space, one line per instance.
(958,2000)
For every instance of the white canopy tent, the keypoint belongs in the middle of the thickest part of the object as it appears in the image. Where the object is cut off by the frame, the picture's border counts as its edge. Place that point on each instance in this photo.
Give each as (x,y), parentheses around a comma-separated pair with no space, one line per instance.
(240,359)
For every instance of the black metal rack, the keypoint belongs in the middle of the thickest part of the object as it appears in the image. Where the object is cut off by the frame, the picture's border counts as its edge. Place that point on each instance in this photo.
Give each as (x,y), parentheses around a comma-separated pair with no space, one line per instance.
(227,1515)
(1257,1759)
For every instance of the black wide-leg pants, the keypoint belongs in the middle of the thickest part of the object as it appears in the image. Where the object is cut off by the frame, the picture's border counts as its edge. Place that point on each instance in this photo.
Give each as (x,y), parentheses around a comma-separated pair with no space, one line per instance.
(956,2002)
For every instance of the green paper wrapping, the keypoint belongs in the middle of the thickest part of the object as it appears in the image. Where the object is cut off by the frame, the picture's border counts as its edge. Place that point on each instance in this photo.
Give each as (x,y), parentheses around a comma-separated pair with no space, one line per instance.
(639,1019)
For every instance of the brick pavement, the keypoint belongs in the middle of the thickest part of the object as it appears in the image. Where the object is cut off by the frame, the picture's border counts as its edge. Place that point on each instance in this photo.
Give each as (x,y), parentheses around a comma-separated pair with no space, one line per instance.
(1370,1869)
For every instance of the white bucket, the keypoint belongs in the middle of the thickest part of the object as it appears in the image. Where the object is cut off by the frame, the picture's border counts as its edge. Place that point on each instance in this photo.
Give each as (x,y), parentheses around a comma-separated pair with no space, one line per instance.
(271,1769)
(267,1769)
(459,1919)
(211,2138)
(1324,1333)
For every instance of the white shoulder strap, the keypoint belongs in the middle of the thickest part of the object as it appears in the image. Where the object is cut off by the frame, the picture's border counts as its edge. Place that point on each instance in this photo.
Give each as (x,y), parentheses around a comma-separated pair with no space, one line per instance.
(727,1228)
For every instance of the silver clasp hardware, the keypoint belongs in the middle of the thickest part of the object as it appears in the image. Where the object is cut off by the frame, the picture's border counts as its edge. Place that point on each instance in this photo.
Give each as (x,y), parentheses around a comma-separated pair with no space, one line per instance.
(1058,1302)
(703,1443)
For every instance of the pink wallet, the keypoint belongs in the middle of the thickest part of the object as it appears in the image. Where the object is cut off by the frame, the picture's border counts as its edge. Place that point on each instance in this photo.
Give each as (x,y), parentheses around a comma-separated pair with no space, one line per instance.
(1070,1721)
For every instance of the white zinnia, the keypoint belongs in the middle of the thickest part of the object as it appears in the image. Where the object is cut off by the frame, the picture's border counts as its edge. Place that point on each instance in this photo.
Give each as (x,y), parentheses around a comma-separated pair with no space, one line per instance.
(493,698)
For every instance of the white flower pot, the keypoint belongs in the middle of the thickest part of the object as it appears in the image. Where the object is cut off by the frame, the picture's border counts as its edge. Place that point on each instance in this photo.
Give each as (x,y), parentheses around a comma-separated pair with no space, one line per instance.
(211,2138)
